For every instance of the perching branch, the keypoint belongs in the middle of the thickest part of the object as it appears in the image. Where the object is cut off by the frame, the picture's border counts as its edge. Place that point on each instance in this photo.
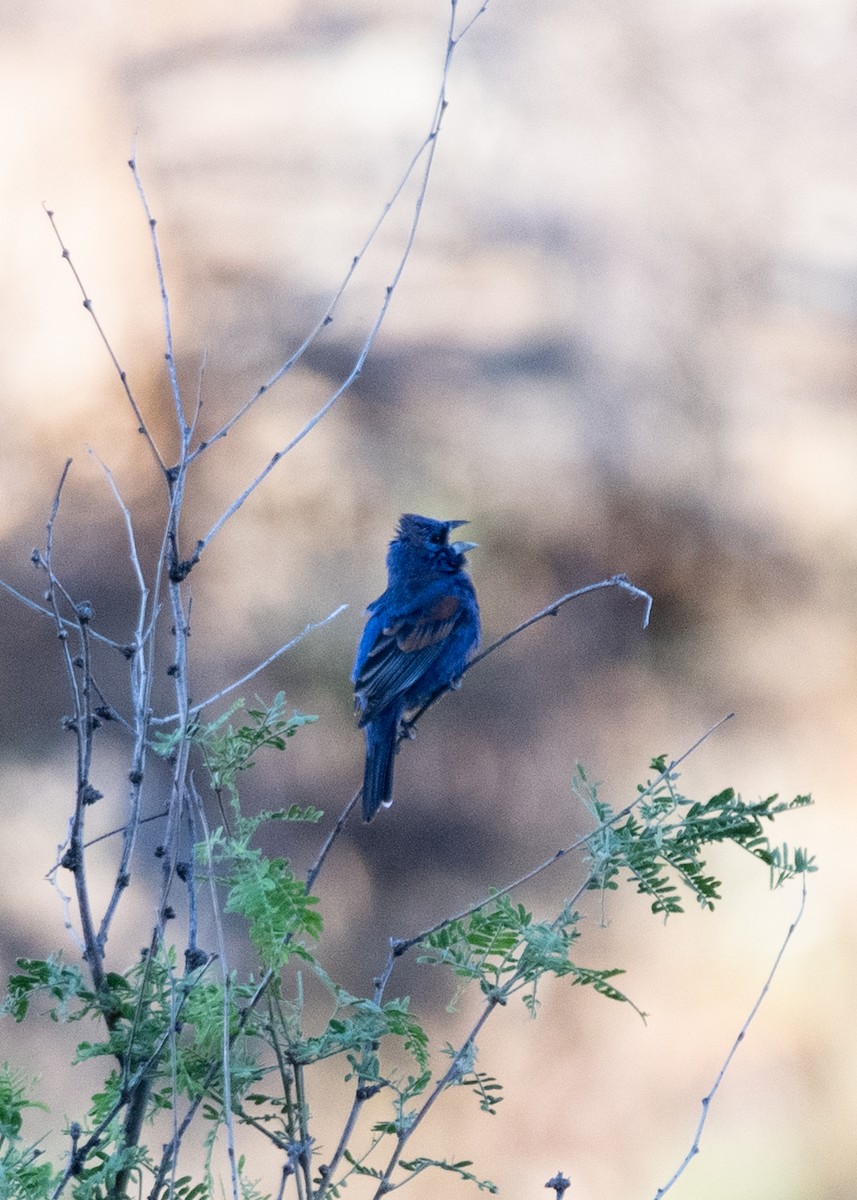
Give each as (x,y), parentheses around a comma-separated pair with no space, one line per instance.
(552,609)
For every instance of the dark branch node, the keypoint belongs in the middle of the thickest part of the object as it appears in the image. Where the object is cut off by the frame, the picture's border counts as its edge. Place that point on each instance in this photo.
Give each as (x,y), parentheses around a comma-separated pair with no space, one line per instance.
(36,557)
(194,959)
(183,871)
(136,777)
(89,794)
(179,571)
(366,1093)
(173,669)
(69,724)
(160,851)
(105,712)
(168,913)
(84,611)
(71,859)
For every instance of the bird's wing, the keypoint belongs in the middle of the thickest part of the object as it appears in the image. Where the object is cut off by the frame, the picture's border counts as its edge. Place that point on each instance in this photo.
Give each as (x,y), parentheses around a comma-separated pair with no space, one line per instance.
(403,652)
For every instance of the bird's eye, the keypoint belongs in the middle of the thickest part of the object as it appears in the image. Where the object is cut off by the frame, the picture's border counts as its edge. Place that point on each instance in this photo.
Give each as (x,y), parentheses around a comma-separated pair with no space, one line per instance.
(438,538)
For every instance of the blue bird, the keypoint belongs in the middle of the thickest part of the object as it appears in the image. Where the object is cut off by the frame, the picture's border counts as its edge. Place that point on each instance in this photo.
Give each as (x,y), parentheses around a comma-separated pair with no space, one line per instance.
(416,643)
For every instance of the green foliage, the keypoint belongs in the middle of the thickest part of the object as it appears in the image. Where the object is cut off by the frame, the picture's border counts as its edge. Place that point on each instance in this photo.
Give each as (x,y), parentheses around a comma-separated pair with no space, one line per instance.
(169,1029)
(267,893)
(46,979)
(228,750)
(23,1173)
(505,951)
(660,840)
(417,1165)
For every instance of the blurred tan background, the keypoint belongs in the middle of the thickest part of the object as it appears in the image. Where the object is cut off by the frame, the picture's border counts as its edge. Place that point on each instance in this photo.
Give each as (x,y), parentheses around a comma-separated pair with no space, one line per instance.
(625,341)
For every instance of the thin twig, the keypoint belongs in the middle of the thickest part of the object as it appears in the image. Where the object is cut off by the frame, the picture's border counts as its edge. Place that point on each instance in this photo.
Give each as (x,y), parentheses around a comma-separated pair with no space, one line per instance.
(742,1032)
(196,709)
(429,147)
(312,873)
(142,427)
(620,581)
(74,857)
(327,316)
(66,622)
(184,429)
(140,681)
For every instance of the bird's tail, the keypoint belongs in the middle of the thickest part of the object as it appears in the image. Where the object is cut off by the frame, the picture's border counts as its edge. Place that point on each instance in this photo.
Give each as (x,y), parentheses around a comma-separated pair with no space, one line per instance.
(378,775)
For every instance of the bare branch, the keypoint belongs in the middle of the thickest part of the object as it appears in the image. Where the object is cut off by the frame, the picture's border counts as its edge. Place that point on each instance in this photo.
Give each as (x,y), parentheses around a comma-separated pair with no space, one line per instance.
(123,378)
(184,429)
(620,581)
(428,148)
(196,709)
(742,1033)
(312,873)
(327,316)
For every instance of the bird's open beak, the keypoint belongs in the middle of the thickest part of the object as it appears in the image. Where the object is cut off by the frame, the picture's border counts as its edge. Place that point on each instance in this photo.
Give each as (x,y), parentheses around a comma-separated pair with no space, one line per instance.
(460,547)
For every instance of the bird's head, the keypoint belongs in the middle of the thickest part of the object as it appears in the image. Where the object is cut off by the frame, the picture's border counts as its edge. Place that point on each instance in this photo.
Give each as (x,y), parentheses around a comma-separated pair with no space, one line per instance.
(421,543)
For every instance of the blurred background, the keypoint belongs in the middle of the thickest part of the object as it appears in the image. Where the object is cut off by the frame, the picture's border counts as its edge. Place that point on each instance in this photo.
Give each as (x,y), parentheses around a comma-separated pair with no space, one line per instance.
(624,341)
